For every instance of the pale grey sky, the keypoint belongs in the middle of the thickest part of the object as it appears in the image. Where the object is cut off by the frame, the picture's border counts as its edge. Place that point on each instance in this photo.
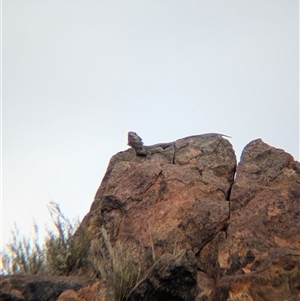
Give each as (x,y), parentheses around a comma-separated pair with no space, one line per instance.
(78,75)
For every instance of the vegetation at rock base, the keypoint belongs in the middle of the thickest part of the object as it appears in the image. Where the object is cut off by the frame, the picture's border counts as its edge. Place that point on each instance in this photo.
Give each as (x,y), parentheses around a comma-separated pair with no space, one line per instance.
(118,265)
(23,255)
(59,255)
(63,253)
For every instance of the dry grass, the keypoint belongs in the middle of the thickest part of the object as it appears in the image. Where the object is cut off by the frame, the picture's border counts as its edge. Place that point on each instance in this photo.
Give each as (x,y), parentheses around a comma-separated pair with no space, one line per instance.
(119,265)
(23,255)
(63,253)
(59,255)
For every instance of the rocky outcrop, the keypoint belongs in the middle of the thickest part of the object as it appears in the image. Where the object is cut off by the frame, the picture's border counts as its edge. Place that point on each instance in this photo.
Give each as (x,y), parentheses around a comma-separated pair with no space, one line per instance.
(259,257)
(242,223)
(233,231)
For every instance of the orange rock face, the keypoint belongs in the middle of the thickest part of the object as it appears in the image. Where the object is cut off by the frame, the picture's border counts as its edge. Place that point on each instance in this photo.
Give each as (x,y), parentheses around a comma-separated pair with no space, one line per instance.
(176,204)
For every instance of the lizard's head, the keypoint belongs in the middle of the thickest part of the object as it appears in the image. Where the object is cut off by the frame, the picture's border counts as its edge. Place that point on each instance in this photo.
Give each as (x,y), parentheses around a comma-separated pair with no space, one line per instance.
(134,140)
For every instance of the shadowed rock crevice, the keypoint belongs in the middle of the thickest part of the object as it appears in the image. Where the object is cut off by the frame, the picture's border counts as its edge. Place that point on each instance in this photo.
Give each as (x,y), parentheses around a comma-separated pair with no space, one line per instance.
(173,277)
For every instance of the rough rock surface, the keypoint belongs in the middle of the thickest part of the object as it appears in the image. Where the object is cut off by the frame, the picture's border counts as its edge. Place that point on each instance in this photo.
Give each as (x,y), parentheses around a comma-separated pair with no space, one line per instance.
(172,278)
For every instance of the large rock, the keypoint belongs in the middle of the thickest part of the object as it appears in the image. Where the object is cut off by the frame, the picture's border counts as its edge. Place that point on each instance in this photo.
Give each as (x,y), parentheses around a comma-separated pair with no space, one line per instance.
(169,200)
(172,278)
(258,258)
